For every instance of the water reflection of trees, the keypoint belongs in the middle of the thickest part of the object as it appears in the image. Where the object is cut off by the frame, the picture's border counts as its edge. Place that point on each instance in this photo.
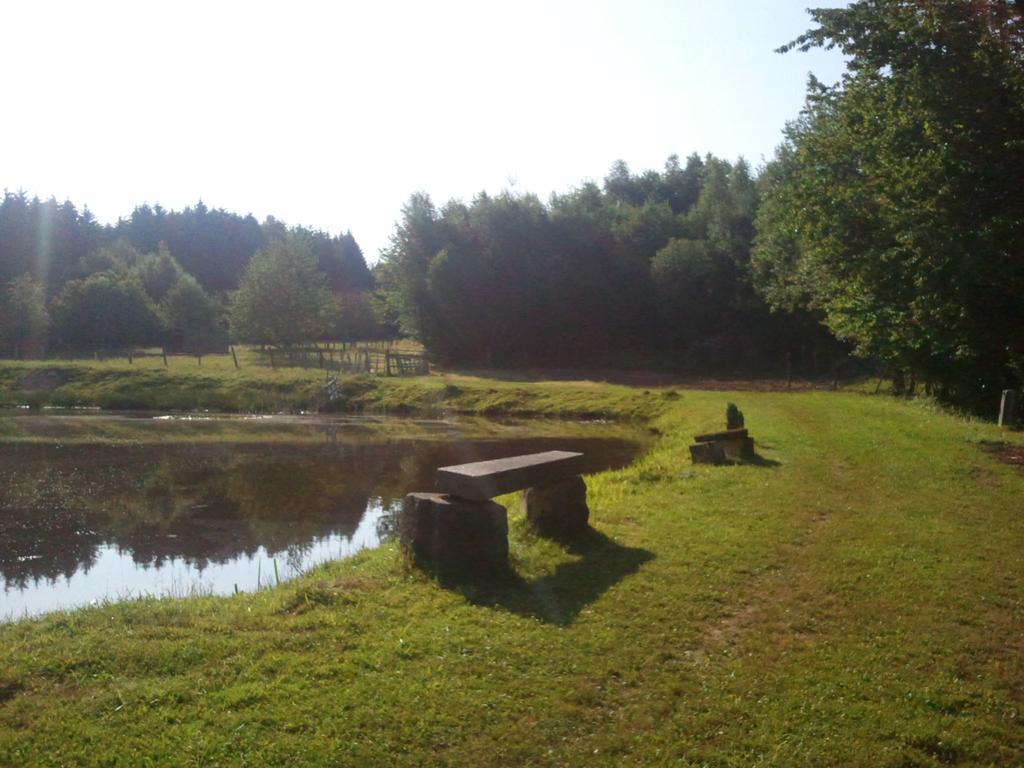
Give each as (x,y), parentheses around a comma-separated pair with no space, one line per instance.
(214,503)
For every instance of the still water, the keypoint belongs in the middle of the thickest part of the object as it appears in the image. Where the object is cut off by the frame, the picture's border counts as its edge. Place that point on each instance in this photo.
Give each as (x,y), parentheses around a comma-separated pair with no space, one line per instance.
(107,507)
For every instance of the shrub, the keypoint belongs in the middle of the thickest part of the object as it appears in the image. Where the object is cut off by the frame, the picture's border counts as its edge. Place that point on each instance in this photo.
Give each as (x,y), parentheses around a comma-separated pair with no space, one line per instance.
(733,417)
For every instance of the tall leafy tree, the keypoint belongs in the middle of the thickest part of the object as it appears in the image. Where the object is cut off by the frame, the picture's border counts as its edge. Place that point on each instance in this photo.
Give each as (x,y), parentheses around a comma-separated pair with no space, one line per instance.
(895,206)
(159,272)
(283,299)
(106,310)
(24,320)
(117,257)
(191,319)
(405,264)
(686,280)
(341,259)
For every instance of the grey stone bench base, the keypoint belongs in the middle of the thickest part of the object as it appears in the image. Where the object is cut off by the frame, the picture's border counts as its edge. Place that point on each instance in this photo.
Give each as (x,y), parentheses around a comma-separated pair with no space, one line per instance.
(452,533)
(557,509)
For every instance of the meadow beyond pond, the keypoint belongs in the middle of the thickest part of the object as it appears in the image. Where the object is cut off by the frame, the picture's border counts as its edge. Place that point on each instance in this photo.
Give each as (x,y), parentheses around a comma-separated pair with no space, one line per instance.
(854,597)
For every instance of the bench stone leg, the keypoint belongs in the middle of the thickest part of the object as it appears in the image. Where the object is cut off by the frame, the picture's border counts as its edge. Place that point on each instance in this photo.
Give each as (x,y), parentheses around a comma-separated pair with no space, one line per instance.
(738,447)
(557,509)
(450,533)
(707,453)
(747,449)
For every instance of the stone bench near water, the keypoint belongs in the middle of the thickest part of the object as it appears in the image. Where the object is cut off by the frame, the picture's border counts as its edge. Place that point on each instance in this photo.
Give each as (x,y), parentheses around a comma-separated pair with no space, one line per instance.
(715,447)
(461,528)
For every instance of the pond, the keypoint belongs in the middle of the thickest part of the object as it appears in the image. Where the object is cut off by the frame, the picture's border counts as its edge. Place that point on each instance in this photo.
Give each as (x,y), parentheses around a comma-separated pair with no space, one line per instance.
(107,506)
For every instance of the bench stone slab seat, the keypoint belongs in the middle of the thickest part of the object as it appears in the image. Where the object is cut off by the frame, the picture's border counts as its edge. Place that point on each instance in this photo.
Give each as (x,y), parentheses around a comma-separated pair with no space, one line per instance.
(487,479)
(462,529)
(727,434)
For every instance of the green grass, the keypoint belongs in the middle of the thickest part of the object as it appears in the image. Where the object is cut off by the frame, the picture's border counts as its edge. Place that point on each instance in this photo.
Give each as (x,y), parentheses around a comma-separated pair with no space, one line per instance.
(853,599)
(255,387)
(122,428)
(146,384)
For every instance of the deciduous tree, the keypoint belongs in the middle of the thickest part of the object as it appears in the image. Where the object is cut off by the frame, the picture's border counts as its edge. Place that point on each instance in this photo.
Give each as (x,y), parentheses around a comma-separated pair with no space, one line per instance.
(24,321)
(283,299)
(895,205)
(191,319)
(104,311)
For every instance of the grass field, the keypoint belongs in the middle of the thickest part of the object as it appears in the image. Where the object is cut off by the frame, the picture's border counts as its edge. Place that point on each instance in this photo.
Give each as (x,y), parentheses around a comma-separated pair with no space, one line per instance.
(854,598)
(216,385)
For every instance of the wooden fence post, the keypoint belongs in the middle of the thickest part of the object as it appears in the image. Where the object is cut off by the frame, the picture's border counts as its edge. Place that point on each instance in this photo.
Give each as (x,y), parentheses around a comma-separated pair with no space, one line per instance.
(234,356)
(164,352)
(1008,408)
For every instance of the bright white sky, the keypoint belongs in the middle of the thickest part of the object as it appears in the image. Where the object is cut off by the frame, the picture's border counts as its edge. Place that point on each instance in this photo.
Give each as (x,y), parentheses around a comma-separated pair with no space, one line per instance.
(331,114)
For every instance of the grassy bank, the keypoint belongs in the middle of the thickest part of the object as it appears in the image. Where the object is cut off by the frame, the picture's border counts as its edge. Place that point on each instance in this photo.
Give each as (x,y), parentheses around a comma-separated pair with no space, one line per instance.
(217,385)
(145,384)
(855,598)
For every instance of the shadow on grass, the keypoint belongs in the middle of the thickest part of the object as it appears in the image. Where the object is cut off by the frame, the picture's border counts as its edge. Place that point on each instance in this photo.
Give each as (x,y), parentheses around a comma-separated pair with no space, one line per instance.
(760,461)
(559,597)
(754,461)
(724,379)
(1007,453)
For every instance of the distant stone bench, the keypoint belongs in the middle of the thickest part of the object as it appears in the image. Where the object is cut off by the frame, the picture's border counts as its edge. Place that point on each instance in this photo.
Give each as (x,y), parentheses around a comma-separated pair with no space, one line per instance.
(461,527)
(714,447)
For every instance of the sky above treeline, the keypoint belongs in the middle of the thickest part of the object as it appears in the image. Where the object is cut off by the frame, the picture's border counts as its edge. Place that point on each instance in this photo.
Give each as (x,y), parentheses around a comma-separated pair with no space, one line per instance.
(331,114)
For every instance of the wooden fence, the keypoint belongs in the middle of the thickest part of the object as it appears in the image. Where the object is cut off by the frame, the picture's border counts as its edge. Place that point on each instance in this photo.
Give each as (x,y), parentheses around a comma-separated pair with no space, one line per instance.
(374,358)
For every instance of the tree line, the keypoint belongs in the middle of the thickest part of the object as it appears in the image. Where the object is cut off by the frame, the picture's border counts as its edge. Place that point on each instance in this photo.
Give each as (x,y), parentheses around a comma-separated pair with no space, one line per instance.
(180,279)
(649,267)
(889,224)
(892,215)
(895,205)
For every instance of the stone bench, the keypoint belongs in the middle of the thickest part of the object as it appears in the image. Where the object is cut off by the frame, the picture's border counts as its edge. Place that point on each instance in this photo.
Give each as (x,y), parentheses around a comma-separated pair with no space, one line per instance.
(461,527)
(714,447)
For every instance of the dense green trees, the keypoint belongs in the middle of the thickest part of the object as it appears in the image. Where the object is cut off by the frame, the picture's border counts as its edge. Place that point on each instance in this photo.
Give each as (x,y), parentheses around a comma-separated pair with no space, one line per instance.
(159,272)
(107,310)
(283,298)
(895,205)
(651,267)
(192,320)
(186,263)
(212,245)
(44,239)
(24,319)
